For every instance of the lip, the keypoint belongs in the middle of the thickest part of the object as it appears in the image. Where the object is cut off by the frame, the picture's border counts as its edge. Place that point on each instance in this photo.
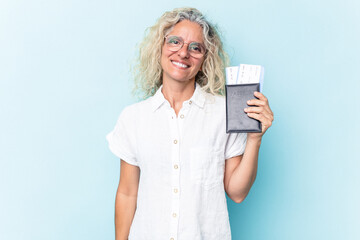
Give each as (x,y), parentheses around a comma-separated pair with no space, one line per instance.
(181,63)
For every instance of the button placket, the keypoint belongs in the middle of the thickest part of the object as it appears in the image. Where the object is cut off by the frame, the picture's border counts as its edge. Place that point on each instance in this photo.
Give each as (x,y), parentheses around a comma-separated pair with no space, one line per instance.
(175,176)
(182,117)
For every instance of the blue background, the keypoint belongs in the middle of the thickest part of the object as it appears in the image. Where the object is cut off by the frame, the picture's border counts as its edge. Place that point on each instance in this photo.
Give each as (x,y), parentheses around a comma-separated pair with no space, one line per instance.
(64,78)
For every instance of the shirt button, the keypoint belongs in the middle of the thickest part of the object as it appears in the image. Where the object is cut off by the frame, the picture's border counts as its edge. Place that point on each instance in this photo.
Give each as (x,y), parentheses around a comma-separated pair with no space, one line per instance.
(175,141)
(190,102)
(174,215)
(176,166)
(175,190)
(182,116)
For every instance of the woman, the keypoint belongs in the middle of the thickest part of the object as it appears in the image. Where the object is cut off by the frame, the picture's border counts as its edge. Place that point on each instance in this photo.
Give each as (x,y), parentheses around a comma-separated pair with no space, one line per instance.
(177,161)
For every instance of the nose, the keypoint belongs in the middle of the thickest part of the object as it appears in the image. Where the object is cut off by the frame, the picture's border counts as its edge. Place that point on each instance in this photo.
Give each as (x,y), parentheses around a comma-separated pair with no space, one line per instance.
(183,52)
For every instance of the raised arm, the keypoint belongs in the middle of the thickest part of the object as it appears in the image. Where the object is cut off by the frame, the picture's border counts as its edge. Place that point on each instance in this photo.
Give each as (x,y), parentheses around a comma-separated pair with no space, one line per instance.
(125,202)
(240,171)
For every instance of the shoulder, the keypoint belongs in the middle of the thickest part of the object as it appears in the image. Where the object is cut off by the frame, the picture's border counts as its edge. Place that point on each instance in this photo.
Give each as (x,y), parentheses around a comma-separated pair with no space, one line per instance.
(219,100)
(215,101)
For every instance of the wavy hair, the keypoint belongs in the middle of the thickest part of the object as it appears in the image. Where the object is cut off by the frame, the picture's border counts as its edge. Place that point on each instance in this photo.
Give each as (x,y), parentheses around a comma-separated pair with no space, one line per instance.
(147,70)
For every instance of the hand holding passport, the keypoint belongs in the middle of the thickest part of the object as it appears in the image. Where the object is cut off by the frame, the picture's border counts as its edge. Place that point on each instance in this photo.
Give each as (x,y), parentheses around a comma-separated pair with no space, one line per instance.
(241,83)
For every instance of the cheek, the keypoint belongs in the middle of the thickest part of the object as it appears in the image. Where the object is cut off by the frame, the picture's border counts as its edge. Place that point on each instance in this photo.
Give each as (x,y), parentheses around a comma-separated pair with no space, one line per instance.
(164,56)
(162,60)
(200,64)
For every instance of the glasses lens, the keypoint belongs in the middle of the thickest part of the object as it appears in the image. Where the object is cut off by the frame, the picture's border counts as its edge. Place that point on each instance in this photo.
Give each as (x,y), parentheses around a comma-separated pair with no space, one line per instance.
(174,43)
(196,49)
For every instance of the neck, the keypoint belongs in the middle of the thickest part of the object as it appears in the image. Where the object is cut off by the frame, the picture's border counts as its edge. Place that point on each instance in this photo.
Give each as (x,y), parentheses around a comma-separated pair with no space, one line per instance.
(178,92)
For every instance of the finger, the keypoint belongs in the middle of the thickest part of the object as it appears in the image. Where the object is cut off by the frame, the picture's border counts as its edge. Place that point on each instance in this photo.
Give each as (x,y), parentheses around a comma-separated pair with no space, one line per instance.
(265,109)
(260,96)
(257,116)
(256,102)
(269,117)
(263,119)
(266,118)
(254,109)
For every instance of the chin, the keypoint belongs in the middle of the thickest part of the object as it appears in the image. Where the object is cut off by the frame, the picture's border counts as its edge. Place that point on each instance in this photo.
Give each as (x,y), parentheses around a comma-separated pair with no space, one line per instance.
(179,78)
(182,80)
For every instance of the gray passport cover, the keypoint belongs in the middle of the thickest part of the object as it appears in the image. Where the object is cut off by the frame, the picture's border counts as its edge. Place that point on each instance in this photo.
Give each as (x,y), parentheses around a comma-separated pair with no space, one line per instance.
(237,121)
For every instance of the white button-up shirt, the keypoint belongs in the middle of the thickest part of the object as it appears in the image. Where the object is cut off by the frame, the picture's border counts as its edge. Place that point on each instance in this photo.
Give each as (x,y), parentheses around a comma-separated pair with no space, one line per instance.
(181,159)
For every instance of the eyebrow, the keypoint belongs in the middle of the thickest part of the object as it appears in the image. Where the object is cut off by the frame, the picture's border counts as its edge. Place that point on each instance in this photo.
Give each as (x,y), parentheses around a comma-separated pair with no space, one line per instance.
(169,35)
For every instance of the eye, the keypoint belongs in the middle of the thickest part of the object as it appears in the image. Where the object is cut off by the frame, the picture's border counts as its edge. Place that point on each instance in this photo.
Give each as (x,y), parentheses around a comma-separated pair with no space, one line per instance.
(196,47)
(174,41)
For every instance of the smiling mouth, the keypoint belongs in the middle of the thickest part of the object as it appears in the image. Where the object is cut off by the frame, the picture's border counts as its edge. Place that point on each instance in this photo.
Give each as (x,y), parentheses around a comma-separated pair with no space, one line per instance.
(181,65)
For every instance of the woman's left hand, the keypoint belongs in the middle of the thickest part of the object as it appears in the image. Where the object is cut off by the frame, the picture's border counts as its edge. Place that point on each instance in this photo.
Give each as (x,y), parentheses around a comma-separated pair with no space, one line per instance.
(261,112)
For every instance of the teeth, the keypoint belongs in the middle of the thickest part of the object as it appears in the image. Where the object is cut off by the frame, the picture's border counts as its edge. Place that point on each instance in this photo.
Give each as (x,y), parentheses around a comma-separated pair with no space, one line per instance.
(180,64)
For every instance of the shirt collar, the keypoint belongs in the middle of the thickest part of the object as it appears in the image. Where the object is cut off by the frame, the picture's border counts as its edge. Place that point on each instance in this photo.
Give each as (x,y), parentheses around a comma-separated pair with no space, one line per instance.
(197,98)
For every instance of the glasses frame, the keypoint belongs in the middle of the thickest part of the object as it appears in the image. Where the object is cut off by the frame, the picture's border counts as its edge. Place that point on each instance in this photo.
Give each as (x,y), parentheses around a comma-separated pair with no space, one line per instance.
(188,43)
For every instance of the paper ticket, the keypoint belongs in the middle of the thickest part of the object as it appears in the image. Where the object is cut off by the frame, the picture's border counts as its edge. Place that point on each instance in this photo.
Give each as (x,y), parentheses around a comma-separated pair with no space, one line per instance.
(245,73)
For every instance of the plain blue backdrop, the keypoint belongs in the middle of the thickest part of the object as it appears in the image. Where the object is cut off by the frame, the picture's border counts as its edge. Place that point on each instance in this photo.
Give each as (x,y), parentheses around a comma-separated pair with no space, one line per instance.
(64,79)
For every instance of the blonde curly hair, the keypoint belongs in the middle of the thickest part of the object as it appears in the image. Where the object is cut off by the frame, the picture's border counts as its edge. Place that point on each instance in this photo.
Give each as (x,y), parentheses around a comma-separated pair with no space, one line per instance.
(147,70)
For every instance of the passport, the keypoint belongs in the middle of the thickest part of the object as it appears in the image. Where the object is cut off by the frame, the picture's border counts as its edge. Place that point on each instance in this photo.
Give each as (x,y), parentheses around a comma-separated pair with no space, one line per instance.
(237,121)
(241,83)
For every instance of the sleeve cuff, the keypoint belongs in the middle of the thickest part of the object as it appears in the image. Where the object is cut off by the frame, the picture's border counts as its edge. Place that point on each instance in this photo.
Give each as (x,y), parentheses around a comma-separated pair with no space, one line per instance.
(120,154)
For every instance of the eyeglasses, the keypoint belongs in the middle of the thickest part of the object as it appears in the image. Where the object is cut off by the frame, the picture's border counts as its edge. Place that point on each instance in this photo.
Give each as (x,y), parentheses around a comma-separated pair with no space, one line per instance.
(175,43)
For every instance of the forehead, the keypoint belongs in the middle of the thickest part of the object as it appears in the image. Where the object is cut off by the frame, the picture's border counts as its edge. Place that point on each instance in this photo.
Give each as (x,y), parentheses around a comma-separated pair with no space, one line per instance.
(189,31)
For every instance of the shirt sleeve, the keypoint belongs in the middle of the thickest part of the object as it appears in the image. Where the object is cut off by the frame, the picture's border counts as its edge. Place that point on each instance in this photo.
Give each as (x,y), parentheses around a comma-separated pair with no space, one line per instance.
(235,144)
(122,139)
